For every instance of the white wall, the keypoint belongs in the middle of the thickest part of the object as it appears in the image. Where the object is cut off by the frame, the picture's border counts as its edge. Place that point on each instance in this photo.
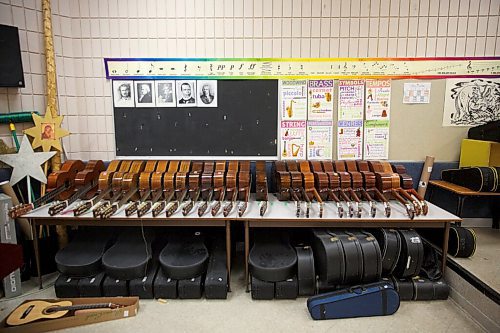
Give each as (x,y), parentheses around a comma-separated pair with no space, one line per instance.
(85,31)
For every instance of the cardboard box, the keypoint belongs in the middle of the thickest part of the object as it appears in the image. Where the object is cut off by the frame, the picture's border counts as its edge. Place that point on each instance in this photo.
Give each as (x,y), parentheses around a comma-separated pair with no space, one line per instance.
(12,283)
(129,309)
(477,153)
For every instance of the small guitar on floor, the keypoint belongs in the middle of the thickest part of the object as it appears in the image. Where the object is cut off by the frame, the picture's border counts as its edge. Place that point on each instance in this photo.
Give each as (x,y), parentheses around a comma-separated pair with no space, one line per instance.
(36,310)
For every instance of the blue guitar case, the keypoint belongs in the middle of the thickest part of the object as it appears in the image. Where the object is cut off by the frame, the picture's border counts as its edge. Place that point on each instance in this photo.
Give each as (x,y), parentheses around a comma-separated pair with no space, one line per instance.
(375,299)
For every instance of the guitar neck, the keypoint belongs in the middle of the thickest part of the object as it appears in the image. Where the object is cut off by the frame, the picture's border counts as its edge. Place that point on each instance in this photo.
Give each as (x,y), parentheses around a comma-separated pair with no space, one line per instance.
(49,196)
(84,307)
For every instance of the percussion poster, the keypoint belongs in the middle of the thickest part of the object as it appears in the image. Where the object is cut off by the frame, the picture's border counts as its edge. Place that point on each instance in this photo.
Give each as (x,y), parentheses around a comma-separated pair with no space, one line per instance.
(376,139)
(319,140)
(471,102)
(293,140)
(320,97)
(349,139)
(378,97)
(293,100)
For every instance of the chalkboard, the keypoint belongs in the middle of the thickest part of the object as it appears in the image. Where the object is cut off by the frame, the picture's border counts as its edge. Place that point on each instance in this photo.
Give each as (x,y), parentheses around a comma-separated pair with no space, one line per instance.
(244,124)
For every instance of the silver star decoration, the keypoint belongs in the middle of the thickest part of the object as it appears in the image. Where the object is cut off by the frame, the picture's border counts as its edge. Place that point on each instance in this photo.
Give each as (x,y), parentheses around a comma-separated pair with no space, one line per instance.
(26,162)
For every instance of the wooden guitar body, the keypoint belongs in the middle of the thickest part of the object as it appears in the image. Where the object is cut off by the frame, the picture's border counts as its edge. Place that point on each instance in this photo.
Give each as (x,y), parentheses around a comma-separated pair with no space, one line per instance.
(36,310)
(283,181)
(65,177)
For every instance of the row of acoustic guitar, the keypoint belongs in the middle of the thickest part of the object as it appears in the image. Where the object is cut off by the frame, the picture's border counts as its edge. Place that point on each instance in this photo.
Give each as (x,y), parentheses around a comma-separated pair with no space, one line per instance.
(165,187)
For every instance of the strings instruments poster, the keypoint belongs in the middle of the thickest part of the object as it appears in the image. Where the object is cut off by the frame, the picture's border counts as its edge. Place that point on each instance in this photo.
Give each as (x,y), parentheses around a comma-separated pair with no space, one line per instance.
(320,119)
(350,119)
(293,111)
(376,140)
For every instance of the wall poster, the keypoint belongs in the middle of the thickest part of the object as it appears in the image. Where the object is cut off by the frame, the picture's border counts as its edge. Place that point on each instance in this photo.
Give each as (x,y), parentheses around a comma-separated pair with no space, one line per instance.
(350,119)
(320,100)
(378,97)
(417,93)
(293,140)
(319,140)
(376,145)
(349,139)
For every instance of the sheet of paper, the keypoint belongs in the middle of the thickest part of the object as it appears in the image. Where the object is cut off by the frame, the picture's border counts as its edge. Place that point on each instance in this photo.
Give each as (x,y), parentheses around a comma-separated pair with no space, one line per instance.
(349,139)
(293,140)
(417,93)
(376,140)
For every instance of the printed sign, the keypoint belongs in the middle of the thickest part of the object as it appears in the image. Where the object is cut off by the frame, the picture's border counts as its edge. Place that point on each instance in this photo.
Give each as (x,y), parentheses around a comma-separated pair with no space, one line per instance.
(349,139)
(293,139)
(320,100)
(319,140)
(376,139)
(378,97)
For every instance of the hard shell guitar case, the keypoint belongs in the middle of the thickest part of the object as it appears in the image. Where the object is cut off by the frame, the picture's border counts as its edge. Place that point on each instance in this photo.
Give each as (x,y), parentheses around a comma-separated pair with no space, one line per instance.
(375,299)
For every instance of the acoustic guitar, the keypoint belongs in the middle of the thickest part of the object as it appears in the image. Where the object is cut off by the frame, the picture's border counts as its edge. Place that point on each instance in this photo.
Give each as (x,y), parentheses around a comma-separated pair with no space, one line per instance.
(357,185)
(156,181)
(207,190)
(219,186)
(282,180)
(309,189)
(85,182)
(38,310)
(261,191)
(102,189)
(231,186)
(346,188)
(296,186)
(168,188)
(407,185)
(194,180)
(59,185)
(144,187)
(244,181)
(369,183)
(331,183)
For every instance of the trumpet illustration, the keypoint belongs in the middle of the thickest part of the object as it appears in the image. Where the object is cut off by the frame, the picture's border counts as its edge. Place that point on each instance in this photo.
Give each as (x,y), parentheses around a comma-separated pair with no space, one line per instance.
(289,109)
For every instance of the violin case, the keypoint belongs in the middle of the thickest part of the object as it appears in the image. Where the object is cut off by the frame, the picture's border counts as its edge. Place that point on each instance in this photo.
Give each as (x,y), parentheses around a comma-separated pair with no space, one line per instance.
(375,299)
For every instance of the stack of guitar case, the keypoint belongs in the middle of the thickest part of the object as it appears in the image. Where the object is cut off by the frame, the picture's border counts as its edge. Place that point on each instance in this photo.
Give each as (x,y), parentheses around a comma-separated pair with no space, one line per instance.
(137,263)
(336,260)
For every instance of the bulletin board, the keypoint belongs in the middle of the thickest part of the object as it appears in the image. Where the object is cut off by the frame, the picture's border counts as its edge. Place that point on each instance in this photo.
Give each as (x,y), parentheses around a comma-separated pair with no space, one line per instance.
(244,124)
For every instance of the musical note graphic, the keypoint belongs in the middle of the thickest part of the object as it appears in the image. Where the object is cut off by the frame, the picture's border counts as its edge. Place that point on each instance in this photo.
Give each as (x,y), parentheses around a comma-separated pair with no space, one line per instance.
(185,68)
(151,68)
(241,66)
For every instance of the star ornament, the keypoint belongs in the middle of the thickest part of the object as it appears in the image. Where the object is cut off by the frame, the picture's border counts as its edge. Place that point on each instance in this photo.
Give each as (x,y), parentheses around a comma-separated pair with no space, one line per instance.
(27,163)
(47,131)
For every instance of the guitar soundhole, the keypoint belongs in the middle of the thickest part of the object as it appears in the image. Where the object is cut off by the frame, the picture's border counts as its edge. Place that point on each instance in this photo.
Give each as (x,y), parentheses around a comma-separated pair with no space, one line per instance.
(27,311)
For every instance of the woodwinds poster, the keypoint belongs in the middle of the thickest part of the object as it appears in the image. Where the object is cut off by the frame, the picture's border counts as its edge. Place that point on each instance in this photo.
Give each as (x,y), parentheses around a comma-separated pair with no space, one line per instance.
(293,119)
(350,119)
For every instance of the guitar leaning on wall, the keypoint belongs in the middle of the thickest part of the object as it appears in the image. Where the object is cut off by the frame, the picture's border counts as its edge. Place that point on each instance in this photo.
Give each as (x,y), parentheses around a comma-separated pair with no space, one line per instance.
(36,310)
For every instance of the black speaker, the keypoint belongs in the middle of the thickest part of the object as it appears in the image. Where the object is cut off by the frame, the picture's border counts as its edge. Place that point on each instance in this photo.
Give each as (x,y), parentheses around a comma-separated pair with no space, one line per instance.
(11,66)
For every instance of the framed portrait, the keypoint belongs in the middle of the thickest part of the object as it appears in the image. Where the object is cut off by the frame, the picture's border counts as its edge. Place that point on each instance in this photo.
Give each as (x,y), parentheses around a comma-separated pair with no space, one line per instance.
(165,93)
(48,132)
(144,93)
(207,93)
(123,94)
(186,93)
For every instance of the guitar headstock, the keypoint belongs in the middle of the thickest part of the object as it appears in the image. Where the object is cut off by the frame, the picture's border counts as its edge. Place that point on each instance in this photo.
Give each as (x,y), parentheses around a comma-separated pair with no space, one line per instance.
(20,210)
(57,207)
(158,208)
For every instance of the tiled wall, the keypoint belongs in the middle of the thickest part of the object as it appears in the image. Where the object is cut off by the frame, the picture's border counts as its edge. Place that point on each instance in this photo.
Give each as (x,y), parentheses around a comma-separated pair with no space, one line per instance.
(85,31)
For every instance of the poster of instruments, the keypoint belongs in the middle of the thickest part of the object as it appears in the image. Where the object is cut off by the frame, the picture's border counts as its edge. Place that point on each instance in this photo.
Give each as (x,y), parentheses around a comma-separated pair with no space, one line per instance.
(350,119)
(293,140)
(294,100)
(320,100)
(349,139)
(319,140)
(376,139)
(378,97)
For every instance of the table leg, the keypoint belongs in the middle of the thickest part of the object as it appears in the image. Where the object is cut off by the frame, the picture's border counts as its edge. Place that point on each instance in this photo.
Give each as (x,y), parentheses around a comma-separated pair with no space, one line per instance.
(460,207)
(228,254)
(34,232)
(247,251)
(445,246)
(495,203)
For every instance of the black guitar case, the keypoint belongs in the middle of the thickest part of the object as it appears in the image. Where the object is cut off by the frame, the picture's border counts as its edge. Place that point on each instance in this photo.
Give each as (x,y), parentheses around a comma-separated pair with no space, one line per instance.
(288,289)
(216,278)
(112,287)
(82,256)
(412,254)
(306,274)
(328,258)
(390,247)
(372,259)
(441,290)
(66,287)
(487,132)
(462,242)
(190,288)
(262,289)
(143,286)
(272,258)
(164,287)
(427,290)
(353,257)
(185,256)
(91,286)
(481,179)
(404,287)
(128,258)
